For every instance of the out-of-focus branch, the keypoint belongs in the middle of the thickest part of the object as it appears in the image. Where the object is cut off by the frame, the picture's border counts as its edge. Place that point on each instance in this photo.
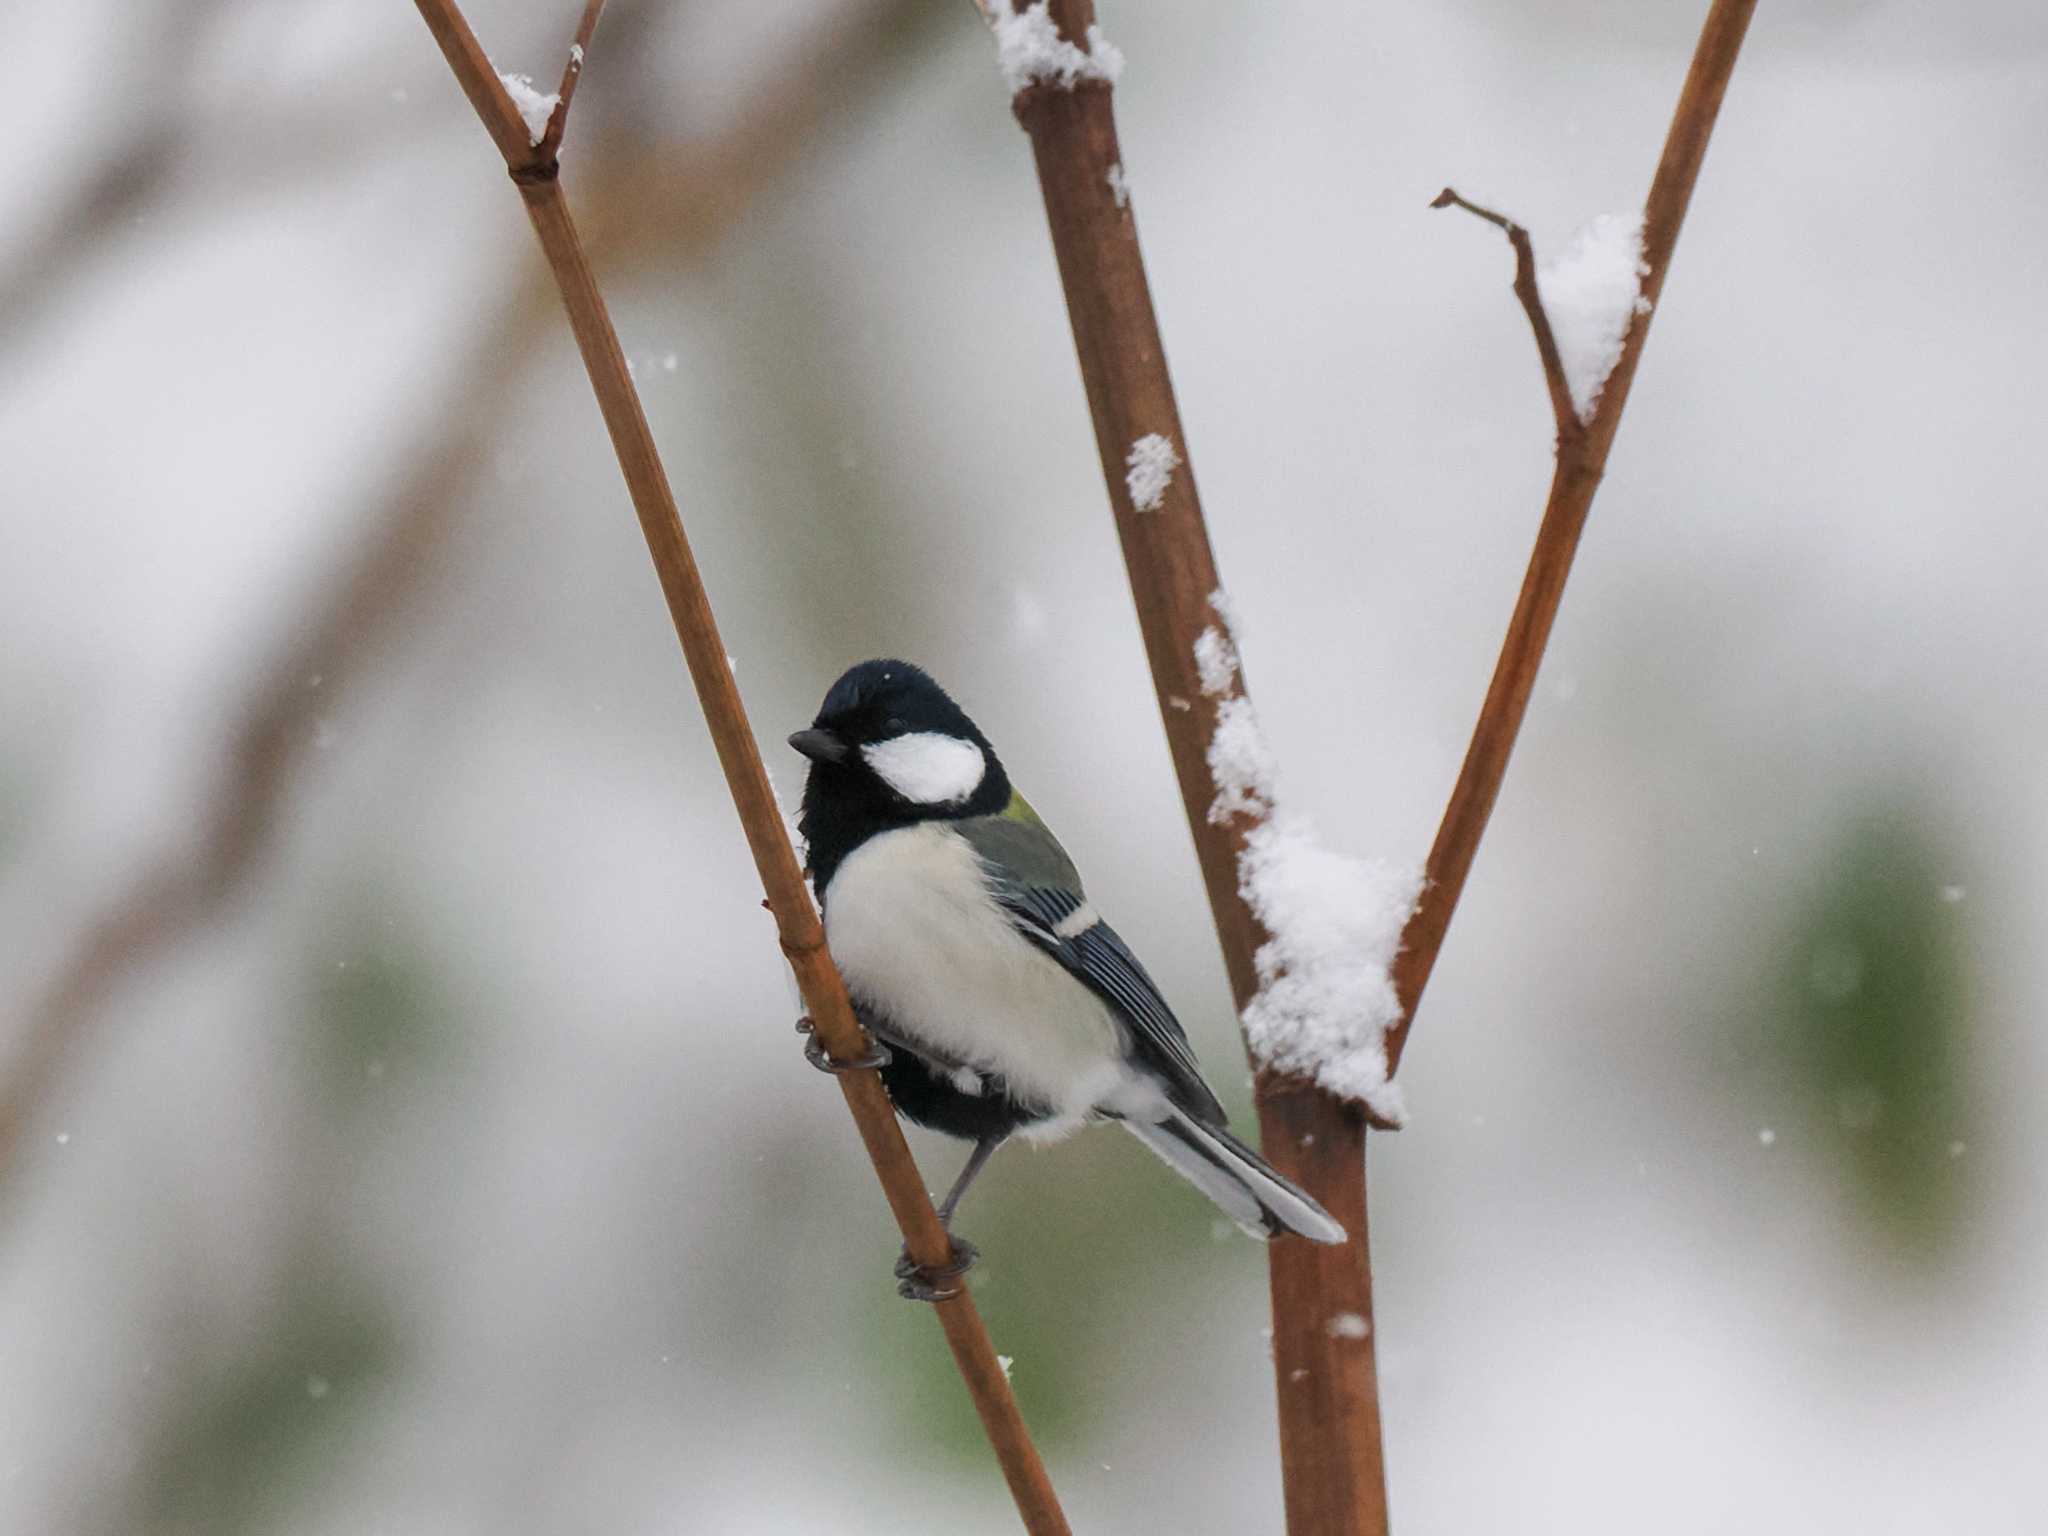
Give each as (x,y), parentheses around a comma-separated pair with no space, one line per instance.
(1328,1383)
(1581,461)
(171,142)
(670,196)
(121,184)
(177,894)
(155,134)
(802,935)
(189,886)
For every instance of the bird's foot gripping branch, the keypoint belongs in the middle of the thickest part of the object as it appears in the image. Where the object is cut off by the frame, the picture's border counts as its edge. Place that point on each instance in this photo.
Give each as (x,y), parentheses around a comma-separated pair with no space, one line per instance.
(962,924)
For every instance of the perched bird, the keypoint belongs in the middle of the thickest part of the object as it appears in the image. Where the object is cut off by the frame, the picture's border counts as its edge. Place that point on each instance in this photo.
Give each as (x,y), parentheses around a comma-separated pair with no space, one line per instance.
(1009,1006)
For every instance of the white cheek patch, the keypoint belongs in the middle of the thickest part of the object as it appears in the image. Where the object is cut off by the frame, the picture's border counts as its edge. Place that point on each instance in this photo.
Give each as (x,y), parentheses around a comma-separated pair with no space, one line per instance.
(928,767)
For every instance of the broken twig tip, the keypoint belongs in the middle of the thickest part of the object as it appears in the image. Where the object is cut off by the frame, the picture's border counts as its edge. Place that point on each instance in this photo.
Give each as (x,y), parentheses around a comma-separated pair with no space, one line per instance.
(1448,198)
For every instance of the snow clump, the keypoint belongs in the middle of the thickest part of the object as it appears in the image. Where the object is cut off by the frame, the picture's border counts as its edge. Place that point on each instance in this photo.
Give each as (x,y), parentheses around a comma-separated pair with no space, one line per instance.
(1148,470)
(1030,50)
(1591,293)
(534,108)
(1326,994)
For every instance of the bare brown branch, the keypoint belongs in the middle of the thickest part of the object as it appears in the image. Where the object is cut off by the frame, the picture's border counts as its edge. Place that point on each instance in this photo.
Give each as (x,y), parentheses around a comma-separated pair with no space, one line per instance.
(802,935)
(1569,427)
(1328,1382)
(1581,461)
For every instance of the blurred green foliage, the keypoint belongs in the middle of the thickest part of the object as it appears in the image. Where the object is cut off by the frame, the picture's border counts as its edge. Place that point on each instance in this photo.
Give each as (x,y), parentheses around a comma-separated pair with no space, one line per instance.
(1869,1027)
(377,1008)
(250,1430)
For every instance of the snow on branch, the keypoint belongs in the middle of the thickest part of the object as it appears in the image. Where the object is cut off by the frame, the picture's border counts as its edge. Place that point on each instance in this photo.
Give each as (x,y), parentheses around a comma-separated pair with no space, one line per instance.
(1580,305)
(1326,995)
(536,108)
(1148,470)
(1624,263)
(1591,293)
(1030,50)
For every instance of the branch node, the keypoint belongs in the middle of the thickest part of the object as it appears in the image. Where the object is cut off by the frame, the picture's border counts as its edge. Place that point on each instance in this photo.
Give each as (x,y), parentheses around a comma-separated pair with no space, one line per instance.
(799,949)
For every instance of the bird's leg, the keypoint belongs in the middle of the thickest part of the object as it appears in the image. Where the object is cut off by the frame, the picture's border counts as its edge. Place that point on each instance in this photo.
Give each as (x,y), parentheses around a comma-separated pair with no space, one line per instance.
(917,1281)
(976,1161)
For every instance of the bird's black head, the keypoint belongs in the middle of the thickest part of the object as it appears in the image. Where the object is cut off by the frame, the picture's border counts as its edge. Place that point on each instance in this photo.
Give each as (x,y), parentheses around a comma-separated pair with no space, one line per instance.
(890,748)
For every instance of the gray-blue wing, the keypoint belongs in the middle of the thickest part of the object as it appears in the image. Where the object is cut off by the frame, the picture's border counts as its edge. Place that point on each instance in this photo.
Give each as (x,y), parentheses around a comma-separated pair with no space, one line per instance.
(1100,959)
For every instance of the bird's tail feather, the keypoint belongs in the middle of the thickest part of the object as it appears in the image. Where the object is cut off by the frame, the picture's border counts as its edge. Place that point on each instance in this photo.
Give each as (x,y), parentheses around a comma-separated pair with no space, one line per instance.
(1244,1186)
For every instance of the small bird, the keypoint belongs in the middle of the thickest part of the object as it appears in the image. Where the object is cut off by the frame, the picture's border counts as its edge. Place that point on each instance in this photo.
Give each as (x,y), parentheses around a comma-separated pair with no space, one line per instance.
(970,949)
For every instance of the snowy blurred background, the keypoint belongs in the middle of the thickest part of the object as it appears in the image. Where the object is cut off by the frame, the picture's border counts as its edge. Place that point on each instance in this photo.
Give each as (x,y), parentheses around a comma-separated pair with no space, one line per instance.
(428,1149)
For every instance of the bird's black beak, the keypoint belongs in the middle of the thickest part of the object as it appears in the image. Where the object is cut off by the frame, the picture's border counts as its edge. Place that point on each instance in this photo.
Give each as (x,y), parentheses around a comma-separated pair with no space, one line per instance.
(820,746)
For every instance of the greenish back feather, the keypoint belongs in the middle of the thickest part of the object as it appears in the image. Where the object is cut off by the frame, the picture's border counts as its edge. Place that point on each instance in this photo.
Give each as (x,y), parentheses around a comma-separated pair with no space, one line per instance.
(1021,847)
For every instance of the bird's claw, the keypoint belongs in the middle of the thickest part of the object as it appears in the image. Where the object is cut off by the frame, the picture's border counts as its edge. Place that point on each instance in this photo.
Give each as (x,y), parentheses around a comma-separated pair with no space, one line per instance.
(877,1055)
(915,1282)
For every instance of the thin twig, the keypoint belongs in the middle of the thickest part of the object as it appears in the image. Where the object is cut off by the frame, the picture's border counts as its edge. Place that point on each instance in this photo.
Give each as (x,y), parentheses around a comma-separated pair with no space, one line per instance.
(558,120)
(1581,461)
(802,935)
(1569,427)
(1328,1385)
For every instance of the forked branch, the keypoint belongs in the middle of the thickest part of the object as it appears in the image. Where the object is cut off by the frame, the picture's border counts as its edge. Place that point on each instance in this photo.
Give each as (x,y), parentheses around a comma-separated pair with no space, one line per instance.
(1581,461)
(1327,1385)
(533,169)
(1569,427)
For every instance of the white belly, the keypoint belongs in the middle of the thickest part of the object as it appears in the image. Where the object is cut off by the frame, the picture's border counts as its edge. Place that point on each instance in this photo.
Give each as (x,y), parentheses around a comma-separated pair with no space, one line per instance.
(918,939)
